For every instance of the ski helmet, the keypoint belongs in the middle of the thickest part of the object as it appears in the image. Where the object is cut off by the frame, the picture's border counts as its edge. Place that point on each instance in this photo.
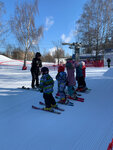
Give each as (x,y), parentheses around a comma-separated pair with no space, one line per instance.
(44,70)
(61,69)
(38,54)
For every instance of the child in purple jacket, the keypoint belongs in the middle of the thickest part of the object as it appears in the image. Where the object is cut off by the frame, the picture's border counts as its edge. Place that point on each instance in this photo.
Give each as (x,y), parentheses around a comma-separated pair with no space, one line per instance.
(71,82)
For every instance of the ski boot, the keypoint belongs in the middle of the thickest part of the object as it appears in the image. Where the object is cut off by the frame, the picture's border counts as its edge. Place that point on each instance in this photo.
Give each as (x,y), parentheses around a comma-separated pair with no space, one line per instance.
(48,109)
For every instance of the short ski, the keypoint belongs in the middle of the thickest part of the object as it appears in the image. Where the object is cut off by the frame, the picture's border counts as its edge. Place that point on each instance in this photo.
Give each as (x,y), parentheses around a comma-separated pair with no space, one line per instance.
(78,94)
(57,96)
(77,98)
(28,88)
(84,91)
(53,111)
(68,103)
(58,108)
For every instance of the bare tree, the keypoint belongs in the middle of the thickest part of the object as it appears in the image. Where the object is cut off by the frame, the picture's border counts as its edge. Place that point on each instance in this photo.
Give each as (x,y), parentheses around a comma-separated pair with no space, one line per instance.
(59,52)
(107,24)
(17,53)
(9,50)
(47,58)
(2,28)
(85,30)
(23,25)
(95,24)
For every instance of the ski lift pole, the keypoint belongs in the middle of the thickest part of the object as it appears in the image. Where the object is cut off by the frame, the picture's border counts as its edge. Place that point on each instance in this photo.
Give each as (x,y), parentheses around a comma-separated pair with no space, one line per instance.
(77,51)
(76,46)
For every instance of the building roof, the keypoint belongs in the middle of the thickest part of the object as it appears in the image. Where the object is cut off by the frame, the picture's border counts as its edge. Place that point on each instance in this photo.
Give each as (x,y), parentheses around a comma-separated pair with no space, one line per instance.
(108,50)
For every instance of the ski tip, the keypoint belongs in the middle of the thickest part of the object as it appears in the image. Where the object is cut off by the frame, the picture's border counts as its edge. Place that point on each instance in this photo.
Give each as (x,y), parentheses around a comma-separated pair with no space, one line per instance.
(34,106)
(67,104)
(81,99)
(40,102)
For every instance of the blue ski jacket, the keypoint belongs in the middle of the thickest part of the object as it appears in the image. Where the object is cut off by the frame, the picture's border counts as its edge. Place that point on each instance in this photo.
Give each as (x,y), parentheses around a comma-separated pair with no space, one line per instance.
(46,84)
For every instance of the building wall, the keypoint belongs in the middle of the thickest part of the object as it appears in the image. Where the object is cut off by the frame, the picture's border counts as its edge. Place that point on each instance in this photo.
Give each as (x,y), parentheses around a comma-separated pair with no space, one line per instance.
(61,60)
(106,56)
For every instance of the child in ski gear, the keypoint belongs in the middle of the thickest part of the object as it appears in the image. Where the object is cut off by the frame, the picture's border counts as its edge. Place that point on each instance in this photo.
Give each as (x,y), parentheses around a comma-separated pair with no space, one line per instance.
(61,77)
(71,82)
(84,74)
(46,86)
(80,77)
(59,70)
(35,70)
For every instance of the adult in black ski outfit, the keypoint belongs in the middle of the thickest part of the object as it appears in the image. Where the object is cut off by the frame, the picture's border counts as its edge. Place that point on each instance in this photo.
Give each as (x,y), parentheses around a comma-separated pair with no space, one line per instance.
(108,61)
(35,70)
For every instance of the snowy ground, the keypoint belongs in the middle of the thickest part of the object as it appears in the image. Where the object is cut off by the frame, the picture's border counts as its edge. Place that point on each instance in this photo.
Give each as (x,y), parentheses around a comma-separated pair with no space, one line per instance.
(86,126)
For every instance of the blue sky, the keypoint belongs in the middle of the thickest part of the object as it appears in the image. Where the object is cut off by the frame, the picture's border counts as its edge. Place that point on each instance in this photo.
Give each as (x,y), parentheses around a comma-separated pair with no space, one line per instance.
(58,18)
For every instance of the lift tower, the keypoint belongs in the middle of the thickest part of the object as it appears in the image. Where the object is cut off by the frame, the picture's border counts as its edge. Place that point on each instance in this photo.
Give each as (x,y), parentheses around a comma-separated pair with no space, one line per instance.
(76,46)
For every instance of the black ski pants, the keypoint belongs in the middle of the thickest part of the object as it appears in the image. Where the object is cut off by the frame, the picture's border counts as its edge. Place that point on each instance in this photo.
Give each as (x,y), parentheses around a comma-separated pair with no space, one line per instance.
(49,99)
(108,64)
(35,79)
(81,82)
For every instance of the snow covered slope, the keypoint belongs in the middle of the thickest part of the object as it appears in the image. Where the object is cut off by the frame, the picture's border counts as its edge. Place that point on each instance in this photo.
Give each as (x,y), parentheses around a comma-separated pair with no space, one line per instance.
(86,126)
(8,61)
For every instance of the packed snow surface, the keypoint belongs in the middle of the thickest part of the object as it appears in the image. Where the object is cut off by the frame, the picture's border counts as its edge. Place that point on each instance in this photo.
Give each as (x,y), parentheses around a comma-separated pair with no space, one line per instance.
(87,125)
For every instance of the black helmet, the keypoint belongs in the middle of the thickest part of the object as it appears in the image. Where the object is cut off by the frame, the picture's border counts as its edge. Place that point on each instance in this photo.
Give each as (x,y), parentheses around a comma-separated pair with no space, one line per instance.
(38,54)
(44,70)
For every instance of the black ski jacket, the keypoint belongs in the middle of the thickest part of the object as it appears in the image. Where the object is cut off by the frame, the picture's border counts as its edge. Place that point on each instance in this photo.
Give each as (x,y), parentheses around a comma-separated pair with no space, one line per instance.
(36,64)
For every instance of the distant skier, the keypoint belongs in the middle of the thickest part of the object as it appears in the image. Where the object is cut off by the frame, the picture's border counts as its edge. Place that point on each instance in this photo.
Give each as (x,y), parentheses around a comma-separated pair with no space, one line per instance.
(61,77)
(35,70)
(46,87)
(108,61)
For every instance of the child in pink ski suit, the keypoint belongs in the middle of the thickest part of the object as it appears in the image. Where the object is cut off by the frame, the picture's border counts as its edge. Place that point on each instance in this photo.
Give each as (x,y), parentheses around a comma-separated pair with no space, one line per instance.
(71,82)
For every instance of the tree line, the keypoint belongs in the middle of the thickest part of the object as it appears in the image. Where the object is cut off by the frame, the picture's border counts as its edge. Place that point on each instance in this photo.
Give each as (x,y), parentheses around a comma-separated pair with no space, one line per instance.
(94,28)
(18,54)
(24,27)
